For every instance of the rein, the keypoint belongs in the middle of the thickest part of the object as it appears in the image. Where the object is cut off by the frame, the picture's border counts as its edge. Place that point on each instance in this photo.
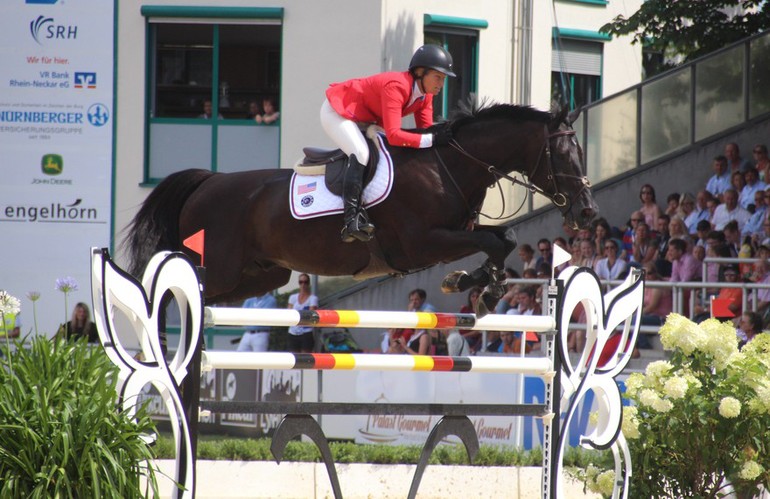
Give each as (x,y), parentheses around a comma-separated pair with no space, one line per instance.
(558,198)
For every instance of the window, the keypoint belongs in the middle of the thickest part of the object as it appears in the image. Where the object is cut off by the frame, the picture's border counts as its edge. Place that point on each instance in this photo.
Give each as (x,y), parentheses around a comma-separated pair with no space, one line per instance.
(207,76)
(576,76)
(459,37)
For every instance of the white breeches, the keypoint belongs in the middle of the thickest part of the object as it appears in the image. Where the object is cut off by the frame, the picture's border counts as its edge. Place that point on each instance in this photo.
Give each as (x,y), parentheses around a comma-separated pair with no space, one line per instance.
(254,342)
(345,133)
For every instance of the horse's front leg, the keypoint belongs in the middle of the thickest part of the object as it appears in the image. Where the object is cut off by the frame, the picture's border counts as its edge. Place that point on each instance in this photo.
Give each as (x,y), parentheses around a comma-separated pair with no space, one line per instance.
(497,242)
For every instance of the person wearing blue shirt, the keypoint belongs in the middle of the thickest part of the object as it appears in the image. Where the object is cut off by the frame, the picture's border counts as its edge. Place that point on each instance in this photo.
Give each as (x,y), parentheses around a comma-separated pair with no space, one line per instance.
(720,181)
(257,339)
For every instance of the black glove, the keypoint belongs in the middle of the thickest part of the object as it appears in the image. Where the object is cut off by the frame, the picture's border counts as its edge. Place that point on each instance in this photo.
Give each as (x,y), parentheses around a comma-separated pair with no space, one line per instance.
(442,136)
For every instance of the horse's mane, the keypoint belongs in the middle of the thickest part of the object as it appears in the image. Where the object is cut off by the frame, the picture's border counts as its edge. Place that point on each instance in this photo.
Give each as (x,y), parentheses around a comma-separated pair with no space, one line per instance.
(474,110)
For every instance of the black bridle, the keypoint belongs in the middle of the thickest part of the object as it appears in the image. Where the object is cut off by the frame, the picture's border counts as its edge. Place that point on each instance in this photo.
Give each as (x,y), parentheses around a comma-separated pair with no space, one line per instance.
(558,198)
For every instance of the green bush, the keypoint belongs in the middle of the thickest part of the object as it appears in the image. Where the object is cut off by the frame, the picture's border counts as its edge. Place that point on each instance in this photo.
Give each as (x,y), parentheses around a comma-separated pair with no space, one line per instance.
(61,433)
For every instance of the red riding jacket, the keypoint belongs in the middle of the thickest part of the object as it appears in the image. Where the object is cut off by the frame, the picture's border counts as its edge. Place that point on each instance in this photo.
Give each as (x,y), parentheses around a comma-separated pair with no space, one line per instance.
(383,99)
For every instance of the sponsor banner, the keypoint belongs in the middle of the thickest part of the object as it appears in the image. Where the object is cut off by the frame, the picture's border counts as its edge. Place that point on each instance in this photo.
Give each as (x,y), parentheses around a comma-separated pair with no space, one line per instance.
(56,95)
(440,388)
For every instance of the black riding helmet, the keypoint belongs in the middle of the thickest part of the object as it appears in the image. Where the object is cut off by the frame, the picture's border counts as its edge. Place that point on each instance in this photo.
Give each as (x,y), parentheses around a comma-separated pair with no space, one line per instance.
(433,57)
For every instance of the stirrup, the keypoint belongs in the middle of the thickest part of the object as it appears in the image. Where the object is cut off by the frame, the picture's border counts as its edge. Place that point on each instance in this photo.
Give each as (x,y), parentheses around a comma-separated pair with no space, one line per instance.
(357,229)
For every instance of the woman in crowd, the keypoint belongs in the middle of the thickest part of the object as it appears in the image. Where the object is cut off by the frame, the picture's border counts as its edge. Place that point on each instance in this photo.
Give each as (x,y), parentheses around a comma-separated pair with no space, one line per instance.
(611,267)
(672,204)
(472,337)
(645,246)
(79,325)
(649,207)
(601,234)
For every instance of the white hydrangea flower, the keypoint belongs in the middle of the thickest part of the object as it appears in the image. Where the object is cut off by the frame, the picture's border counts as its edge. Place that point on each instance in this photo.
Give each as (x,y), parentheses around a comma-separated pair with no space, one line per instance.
(675,387)
(729,407)
(682,333)
(648,397)
(658,369)
(750,470)
(634,383)
(9,304)
(630,423)
(662,405)
(721,341)
(762,400)
(692,381)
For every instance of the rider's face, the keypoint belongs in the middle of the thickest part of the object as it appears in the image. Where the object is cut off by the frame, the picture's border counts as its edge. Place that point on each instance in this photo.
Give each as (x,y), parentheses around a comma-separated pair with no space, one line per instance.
(433,81)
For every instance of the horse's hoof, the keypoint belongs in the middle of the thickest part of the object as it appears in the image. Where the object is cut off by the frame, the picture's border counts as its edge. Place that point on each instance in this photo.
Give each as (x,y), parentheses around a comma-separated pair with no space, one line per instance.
(485,304)
(453,281)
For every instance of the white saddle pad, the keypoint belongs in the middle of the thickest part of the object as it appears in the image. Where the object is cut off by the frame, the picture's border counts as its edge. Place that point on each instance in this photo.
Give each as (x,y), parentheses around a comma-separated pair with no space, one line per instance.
(310,198)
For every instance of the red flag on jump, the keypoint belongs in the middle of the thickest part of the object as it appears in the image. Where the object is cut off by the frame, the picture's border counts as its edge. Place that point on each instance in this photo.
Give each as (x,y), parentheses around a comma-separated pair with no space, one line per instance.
(195,243)
(720,308)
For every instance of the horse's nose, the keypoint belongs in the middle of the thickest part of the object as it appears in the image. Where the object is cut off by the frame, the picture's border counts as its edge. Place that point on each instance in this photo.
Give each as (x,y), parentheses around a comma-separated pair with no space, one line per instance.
(587,215)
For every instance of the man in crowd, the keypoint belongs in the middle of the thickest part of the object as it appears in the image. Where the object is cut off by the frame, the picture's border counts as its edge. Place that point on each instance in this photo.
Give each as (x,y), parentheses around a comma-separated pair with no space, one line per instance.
(720,181)
(729,210)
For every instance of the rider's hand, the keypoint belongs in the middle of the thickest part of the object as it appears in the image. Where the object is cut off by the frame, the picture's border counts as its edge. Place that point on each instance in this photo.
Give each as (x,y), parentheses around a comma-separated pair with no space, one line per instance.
(442,136)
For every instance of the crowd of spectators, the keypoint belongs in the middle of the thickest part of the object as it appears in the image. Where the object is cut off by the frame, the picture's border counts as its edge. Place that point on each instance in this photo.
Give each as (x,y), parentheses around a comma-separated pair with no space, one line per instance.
(726,217)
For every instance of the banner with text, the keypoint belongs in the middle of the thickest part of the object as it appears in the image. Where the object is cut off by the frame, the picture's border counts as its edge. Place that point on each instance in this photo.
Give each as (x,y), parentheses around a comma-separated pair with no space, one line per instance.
(56,133)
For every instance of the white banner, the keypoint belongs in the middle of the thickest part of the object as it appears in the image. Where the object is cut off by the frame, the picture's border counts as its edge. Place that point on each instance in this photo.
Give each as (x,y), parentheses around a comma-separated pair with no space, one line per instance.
(56,134)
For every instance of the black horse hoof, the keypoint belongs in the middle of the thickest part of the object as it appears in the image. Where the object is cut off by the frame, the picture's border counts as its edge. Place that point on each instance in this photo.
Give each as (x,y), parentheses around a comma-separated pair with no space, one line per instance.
(454,282)
(485,304)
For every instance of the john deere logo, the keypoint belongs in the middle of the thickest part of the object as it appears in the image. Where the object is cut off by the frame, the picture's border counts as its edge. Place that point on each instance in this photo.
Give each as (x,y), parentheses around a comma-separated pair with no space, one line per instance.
(52,164)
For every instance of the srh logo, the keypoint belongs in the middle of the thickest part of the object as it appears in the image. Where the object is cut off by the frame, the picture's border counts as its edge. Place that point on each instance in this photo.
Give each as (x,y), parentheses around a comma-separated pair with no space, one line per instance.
(85,80)
(44,28)
(52,164)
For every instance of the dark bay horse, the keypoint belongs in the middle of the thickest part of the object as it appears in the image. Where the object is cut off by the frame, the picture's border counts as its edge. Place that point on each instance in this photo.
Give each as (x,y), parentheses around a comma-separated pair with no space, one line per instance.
(252,241)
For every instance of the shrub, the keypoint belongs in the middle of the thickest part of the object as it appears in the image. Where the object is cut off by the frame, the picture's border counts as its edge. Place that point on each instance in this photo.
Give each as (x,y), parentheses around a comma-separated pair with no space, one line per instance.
(61,432)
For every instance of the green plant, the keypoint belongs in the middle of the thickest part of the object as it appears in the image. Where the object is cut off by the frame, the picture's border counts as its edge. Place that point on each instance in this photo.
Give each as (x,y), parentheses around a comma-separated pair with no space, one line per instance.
(702,419)
(61,432)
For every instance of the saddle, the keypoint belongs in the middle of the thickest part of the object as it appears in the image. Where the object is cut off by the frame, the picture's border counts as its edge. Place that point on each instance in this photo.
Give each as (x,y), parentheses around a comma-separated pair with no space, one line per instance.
(331,164)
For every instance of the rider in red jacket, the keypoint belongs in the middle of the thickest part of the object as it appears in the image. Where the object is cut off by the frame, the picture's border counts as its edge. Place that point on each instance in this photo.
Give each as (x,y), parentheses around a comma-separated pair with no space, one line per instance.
(382,99)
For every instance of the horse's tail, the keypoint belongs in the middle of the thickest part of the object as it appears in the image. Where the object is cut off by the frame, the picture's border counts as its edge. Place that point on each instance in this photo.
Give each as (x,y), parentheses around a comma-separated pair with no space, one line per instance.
(156,226)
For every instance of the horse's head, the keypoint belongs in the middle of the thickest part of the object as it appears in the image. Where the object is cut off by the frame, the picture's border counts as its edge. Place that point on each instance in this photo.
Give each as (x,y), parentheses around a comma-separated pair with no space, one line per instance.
(560,172)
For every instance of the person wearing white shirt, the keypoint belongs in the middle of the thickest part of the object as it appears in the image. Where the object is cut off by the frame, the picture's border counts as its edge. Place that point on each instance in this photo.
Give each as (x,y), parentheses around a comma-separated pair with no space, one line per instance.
(753,184)
(720,181)
(729,210)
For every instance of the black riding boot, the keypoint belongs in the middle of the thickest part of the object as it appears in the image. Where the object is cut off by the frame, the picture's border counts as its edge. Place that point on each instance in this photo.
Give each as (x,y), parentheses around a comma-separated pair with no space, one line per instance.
(356,224)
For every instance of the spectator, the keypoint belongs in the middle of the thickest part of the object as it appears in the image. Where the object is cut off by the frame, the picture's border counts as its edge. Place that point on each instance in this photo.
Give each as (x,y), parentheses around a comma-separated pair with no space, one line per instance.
(301,337)
(657,303)
(472,337)
(79,325)
(506,343)
(732,237)
(762,162)
(257,339)
(601,234)
(270,112)
(734,161)
(544,247)
(761,275)
(699,211)
(750,326)
(509,299)
(752,186)
(729,211)
(611,267)
(570,232)
(663,235)
(678,230)
(527,255)
(702,231)
(408,340)
(645,245)
(649,208)
(753,227)
(737,182)
(672,204)
(587,254)
(765,237)
(720,181)
(527,306)
(253,110)
(630,233)
(208,110)
(456,344)
(684,266)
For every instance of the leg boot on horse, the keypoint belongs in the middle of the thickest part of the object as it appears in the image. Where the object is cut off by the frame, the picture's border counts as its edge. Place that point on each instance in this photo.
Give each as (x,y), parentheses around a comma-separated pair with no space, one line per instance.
(356,225)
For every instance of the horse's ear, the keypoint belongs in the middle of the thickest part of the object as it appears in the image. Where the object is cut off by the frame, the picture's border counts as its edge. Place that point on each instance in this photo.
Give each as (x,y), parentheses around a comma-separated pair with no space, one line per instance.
(559,116)
(573,116)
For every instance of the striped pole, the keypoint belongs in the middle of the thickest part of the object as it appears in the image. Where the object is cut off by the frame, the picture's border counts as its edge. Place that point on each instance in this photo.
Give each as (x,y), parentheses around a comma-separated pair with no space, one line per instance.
(536,366)
(244,317)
